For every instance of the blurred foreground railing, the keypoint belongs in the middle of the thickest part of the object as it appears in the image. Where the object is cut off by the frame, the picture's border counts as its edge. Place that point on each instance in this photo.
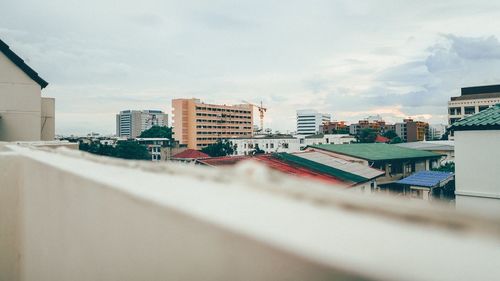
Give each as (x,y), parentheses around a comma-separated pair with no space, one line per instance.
(67,215)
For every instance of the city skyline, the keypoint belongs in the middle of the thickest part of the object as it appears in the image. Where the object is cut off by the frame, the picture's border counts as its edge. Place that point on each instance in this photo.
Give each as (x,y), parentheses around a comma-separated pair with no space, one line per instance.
(348,59)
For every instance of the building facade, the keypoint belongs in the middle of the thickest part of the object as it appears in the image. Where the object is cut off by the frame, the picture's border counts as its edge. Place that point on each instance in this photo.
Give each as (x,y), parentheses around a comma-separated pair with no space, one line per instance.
(375,123)
(472,100)
(309,121)
(477,158)
(410,130)
(286,143)
(197,124)
(24,114)
(131,123)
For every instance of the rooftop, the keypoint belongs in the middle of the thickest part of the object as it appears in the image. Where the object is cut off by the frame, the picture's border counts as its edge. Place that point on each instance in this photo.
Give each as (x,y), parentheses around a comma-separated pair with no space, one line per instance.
(488,119)
(190,154)
(376,151)
(429,145)
(276,164)
(19,62)
(427,178)
(481,90)
(353,168)
(476,96)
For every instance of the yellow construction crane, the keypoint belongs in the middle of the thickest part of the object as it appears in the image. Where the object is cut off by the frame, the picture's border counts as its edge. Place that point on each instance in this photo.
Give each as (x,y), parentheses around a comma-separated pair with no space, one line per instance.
(261,109)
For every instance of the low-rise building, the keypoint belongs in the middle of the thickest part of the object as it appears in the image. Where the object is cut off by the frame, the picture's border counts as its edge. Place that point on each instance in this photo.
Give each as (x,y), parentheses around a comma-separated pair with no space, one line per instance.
(445,147)
(189,156)
(154,146)
(397,162)
(285,143)
(427,185)
(315,165)
(24,114)
(477,160)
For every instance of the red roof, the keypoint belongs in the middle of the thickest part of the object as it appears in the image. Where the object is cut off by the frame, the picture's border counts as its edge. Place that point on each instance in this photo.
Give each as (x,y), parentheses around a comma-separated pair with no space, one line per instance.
(382,139)
(274,164)
(191,154)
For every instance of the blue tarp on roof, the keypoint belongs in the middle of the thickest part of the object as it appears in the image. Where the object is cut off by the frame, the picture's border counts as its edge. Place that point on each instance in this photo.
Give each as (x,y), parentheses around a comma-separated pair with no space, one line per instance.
(426,178)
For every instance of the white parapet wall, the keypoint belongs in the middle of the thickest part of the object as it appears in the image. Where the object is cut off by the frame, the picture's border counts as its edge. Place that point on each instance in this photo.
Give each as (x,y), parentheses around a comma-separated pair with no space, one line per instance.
(67,215)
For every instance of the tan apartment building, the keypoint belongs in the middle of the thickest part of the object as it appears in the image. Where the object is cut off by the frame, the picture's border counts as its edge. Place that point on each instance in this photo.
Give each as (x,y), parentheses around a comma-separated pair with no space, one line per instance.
(197,124)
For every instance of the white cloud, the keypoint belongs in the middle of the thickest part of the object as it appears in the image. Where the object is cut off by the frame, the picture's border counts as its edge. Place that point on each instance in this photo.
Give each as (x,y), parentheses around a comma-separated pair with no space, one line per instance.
(348,58)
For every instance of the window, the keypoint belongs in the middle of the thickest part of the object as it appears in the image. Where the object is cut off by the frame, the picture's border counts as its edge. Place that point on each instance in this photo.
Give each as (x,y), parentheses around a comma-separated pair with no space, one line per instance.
(455,111)
(469,110)
(272,145)
(483,107)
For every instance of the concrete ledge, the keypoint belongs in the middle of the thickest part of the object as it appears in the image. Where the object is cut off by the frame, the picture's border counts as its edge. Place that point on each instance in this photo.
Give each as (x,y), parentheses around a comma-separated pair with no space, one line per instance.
(74,216)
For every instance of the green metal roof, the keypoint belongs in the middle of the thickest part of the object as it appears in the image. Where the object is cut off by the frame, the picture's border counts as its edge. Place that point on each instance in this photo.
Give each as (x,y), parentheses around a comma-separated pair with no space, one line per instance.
(488,119)
(376,151)
(318,167)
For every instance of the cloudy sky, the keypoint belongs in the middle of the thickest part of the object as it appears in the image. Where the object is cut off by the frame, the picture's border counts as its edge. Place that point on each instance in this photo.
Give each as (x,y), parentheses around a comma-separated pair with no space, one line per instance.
(348,58)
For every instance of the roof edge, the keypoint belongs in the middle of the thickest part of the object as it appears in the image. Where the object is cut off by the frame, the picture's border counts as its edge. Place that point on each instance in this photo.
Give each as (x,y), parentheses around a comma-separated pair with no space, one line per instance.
(19,62)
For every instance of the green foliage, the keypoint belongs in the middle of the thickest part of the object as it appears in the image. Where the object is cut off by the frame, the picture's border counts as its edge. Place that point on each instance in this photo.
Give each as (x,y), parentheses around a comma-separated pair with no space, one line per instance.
(257,150)
(220,148)
(130,149)
(448,167)
(366,135)
(396,140)
(390,134)
(157,132)
(123,149)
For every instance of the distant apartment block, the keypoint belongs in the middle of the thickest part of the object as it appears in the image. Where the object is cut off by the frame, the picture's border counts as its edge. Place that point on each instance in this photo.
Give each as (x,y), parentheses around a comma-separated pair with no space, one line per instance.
(471,101)
(131,123)
(410,130)
(375,123)
(309,121)
(436,131)
(24,114)
(197,124)
(334,127)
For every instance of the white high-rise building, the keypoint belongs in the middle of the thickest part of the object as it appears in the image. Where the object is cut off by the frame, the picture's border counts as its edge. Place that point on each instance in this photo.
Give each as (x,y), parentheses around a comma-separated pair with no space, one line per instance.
(131,123)
(309,121)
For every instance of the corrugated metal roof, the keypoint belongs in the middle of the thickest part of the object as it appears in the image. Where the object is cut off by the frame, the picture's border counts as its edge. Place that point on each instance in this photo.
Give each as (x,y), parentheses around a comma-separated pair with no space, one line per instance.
(190,154)
(426,178)
(488,119)
(275,164)
(429,146)
(346,166)
(376,151)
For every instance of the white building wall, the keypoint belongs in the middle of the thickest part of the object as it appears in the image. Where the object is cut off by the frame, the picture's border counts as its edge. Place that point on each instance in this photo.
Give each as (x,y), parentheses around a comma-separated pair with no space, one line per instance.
(288,145)
(20,104)
(462,104)
(309,121)
(477,162)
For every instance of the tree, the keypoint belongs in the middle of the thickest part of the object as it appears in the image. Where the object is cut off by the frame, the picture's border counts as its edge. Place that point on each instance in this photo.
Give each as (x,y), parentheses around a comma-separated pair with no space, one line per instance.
(447,167)
(390,134)
(257,150)
(396,140)
(366,135)
(220,148)
(131,150)
(157,132)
